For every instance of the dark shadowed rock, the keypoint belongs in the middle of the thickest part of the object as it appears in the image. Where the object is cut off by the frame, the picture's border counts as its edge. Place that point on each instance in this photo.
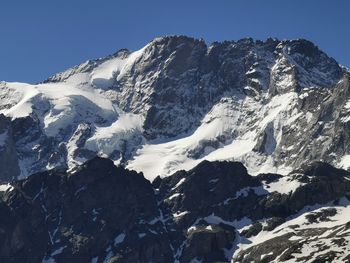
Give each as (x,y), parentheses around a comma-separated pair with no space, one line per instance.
(207,243)
(78,216)
(103,213)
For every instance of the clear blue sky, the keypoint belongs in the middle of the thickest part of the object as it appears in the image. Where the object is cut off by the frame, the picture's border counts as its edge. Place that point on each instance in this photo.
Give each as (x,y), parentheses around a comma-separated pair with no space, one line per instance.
(41,37)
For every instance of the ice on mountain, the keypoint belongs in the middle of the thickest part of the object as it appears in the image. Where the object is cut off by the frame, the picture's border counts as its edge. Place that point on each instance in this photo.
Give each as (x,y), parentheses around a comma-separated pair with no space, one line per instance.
(345,161)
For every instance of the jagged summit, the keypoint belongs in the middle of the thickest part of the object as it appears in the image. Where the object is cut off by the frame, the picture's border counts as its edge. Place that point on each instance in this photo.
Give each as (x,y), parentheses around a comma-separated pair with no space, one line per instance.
(271,104)
(168,44)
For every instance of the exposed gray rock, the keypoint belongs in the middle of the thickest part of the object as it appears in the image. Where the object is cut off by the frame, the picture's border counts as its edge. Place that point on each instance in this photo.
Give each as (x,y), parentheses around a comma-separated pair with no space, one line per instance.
(207,243)
(253,230)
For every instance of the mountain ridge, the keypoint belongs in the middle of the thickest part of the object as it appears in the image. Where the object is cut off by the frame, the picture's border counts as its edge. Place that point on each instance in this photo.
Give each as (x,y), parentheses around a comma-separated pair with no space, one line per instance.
(177,102)
(127,51)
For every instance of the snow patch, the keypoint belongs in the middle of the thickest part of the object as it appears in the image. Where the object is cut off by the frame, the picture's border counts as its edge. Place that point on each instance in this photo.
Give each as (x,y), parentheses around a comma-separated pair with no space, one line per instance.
(113,70)
(6,187)
(284,185)
(119,239)
(345,162)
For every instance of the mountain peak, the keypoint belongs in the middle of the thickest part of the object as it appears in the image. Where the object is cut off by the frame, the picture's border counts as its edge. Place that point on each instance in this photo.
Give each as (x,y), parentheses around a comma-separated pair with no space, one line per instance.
(177,102)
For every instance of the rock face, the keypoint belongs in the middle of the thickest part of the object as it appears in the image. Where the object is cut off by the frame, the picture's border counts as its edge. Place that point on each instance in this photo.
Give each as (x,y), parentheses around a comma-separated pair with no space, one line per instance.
(8,153)
(93,213)
(215,212)
(177,102)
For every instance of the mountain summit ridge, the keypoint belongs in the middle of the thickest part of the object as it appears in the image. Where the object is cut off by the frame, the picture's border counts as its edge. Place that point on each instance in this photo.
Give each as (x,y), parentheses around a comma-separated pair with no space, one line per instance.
(248,40)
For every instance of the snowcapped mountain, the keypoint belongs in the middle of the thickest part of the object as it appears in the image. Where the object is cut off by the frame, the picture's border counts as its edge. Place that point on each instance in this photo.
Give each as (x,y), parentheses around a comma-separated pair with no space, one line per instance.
(273,105)
(239,142)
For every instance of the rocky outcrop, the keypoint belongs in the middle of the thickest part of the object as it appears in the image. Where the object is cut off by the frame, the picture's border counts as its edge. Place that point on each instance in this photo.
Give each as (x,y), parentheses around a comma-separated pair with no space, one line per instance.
(311,244)
(207,243)
(211,213)
(100,211)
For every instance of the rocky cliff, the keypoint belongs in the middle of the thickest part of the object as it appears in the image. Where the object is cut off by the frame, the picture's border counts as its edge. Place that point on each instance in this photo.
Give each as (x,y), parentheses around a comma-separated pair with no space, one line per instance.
(215,212)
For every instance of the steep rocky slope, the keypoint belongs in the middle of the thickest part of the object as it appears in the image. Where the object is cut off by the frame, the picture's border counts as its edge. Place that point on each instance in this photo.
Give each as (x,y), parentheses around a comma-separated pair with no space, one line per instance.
(272,105)
(215,212)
